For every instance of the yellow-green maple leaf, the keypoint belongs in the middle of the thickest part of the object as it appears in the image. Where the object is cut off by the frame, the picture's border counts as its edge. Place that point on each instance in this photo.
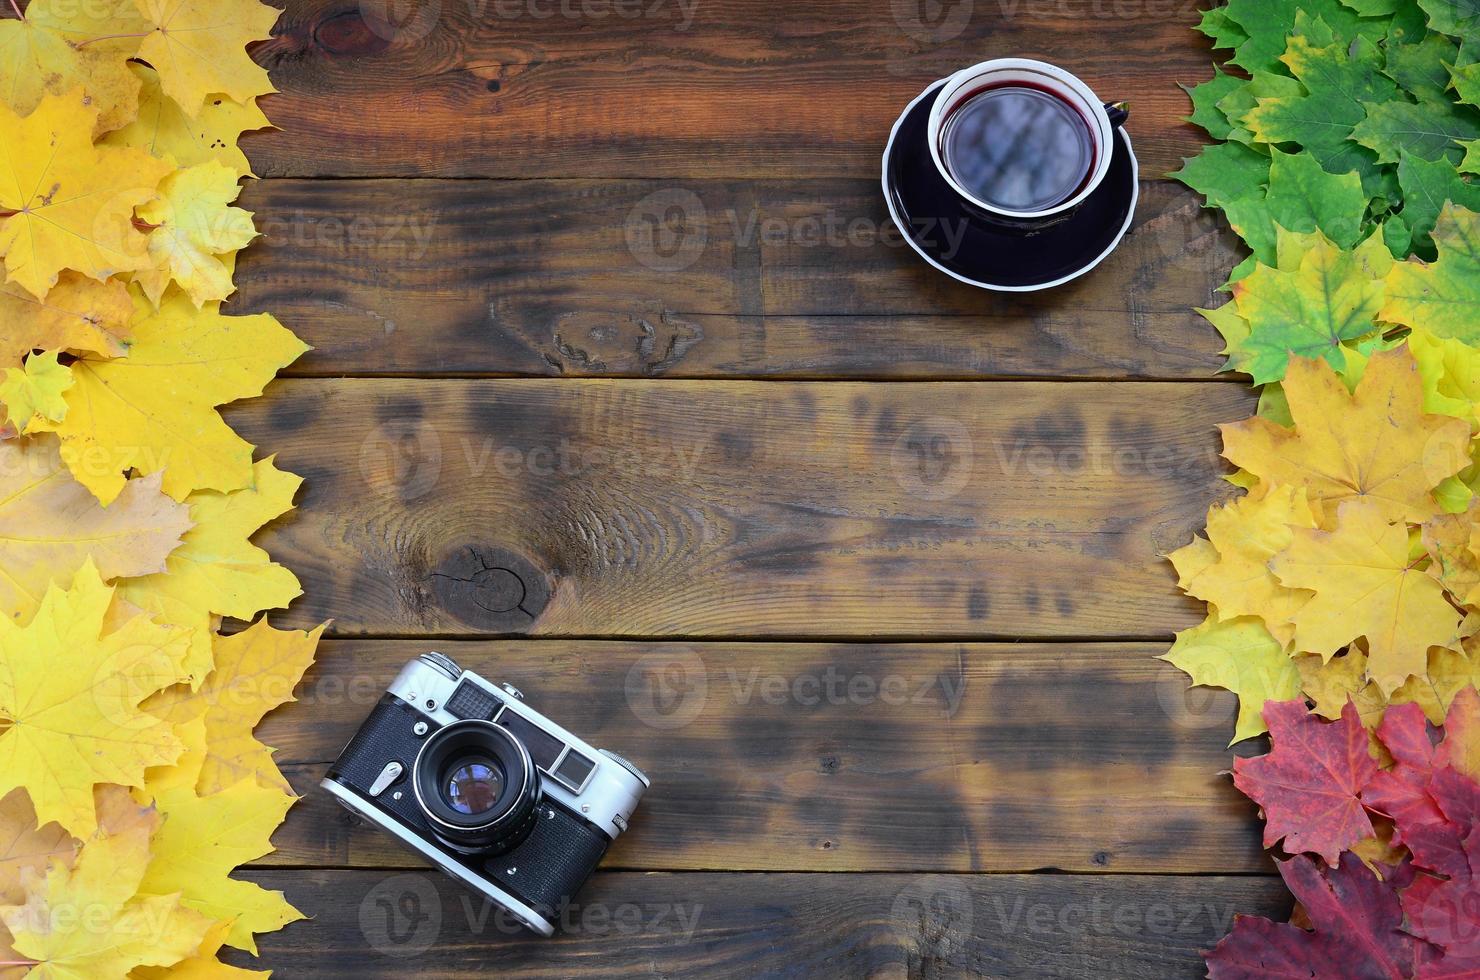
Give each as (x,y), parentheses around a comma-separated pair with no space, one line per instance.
(1239,655)
(199,48)
(1375,444)
(1366,585)
(50,526)
(165,131)
(35,391)
(1441,297)
(156,408)
(109,927)
(65,203)
(1311,307)
(64,731)
(255,672)
(217,571)
(194,224)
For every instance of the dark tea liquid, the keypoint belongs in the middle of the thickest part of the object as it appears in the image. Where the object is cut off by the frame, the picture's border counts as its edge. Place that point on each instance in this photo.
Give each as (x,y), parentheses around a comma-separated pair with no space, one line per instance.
(1018,147)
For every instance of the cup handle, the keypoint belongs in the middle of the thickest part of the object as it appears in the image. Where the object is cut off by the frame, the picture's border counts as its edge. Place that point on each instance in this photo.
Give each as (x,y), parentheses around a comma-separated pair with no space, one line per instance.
(1118,112)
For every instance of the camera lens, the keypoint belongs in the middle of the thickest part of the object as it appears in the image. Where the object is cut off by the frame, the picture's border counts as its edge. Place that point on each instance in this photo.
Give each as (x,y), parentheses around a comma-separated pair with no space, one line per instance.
(473,785)
(477,786)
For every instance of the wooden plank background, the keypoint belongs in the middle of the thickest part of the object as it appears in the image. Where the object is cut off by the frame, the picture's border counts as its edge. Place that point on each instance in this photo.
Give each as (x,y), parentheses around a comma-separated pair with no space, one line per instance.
(625,391)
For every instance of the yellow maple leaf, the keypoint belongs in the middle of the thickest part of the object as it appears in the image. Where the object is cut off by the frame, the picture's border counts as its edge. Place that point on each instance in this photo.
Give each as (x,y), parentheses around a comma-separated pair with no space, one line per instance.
(26,845)
(122,929)
(1451,375)
(1246,534)
(203,839)
(1375,445)
(194,225)
(256,671)
(1239,655)
(1453,541)
(66,203)
(199,48)
(64,731)
(164,130)
(35,391)
(156,408)
(34,61)
(79,314)
(1330,684)
(50,526)
(203,965)
(104,36)
(217,571)
(1450,672)
(1365,585)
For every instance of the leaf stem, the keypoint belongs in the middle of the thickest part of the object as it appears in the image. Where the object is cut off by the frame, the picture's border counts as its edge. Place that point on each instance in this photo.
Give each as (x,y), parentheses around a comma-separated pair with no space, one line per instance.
(17,8)
(107,37)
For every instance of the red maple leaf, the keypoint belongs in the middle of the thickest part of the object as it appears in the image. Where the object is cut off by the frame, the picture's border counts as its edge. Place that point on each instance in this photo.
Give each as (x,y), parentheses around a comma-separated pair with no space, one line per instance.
(1310,783)
(1402,792)
(1357,934)
(1446,912)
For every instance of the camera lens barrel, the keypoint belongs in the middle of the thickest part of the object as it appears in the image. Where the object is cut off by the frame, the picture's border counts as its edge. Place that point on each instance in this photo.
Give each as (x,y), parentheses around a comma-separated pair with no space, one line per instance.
(477,786)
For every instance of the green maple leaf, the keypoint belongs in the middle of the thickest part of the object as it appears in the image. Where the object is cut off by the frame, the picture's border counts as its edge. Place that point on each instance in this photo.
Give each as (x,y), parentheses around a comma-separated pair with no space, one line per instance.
(1466,80)
(1419,62)
(1442,297)
(1249,218)
(1397,236)
(1374,8)
(1429,131)
(1338,81)
(1205,99)
(1317,299)
(1471,162)
(1225,172)
(1222,29)
(1427,186)
(1269,23)
(1458,17)
(1303,197)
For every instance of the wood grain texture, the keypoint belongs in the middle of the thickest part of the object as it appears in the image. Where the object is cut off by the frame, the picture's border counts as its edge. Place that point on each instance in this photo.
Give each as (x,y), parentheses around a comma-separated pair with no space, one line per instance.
(1037,927)
(808,757)
(701,279)
(582,88)
(677,508)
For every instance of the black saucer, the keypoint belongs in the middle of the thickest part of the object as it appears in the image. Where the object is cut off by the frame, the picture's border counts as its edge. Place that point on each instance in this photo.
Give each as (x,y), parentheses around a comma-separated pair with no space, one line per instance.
(938,225)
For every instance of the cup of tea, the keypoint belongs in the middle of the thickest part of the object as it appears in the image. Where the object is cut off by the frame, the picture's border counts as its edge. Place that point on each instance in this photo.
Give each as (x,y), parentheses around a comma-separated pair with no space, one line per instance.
(1022,142)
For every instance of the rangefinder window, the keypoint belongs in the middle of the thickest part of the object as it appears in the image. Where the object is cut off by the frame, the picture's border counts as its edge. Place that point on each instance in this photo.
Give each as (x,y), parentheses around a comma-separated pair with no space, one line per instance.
(471,701)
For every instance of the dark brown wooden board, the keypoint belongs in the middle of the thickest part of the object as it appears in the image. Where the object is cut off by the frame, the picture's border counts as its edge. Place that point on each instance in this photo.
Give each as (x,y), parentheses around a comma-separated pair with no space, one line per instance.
(743,509)
(743,926)
(808,757)
(492,88)
(721,523)
(701,279)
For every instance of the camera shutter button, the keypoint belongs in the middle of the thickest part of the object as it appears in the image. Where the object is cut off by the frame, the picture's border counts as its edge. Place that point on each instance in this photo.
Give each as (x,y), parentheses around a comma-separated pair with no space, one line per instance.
(388,775)
(512,690)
